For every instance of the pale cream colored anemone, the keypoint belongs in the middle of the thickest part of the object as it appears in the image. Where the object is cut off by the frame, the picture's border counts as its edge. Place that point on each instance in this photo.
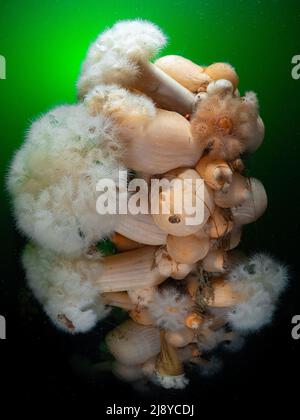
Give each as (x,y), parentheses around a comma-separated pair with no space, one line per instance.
(130,270)
(169,371)
(169,308)
(141,228)
(227,126)
(260,280)
(188,249)
(249,210)
(132,344)
(155,140)
(121,55)
(53,179)
(66,288)
(172,215)
(238,191)
(194,77)
(216,172)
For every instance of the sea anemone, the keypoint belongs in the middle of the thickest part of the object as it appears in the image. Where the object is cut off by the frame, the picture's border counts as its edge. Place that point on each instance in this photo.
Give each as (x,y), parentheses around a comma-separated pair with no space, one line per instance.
(168,267)
(121,55)
(111,58)
(53,179)
(119,104)
(133,344)
(156,140)
(170,381)
(169,308)
(208,339)
(66,288)
(253,207)
(169,371)
(226,125)
(260,281)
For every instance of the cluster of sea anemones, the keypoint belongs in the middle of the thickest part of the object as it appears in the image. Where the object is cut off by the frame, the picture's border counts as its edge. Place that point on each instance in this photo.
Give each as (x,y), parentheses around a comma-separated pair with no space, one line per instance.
(185,290)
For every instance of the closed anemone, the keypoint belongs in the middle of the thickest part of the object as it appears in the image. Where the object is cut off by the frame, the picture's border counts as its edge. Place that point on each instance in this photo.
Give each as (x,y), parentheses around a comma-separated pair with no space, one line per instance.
(226,125)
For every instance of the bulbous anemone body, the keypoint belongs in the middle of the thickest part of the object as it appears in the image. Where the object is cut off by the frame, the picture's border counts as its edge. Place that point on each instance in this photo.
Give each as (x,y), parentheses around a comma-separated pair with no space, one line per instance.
(53,179)
(226,125)
(156,140)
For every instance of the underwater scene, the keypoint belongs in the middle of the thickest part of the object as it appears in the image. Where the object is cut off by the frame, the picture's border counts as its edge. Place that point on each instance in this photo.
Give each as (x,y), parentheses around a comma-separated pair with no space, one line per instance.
(150,205)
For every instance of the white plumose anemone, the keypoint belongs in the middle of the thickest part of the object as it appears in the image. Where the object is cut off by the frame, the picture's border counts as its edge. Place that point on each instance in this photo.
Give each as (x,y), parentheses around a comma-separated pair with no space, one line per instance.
(66,288)
(169,308)
(119,104)
(112,57)
(53,179)
(261,280)
(170,382)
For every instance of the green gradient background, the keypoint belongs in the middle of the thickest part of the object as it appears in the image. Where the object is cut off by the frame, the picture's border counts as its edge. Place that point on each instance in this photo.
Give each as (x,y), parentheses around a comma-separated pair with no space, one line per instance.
(44,43)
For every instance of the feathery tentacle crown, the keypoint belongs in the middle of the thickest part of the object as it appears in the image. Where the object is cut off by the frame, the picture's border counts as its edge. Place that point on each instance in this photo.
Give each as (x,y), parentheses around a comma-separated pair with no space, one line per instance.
(113,57)
(66,288)
(53,178)
(225,124)
(260,280)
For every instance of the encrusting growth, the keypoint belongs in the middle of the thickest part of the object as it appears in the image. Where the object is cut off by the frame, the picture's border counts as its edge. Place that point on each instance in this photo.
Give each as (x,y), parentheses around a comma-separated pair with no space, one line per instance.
(177,274)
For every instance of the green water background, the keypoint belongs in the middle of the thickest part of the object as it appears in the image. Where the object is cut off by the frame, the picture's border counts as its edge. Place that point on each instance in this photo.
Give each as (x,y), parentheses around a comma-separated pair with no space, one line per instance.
(45,42)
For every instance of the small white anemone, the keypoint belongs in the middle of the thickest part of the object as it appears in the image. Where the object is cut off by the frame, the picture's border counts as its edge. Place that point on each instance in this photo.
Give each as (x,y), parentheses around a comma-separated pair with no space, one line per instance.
(113,56)
(210,340)
(171,382)
(261,279)
(169,308)
(273,275)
